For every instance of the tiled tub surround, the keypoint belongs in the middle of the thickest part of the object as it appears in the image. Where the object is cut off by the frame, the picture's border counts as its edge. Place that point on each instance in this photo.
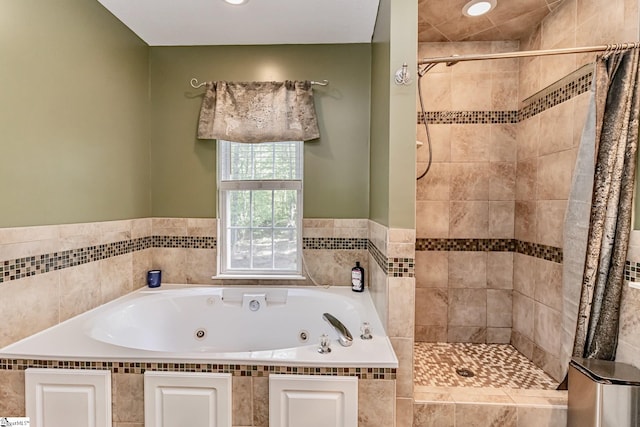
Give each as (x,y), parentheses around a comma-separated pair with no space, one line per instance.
(392,286)
(250,388)
(68,269)
(77,267)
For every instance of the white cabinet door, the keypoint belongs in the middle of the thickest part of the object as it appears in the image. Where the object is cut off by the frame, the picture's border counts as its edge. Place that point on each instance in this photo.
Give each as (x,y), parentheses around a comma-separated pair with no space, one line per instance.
(313,401)
(178,399)
(68,397)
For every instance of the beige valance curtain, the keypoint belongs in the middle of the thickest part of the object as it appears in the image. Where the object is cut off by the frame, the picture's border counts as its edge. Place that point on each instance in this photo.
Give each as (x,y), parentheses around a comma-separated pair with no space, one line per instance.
(258,112)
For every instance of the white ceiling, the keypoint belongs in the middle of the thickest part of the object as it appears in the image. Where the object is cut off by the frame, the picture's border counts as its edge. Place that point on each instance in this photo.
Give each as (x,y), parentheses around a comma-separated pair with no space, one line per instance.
(214,22)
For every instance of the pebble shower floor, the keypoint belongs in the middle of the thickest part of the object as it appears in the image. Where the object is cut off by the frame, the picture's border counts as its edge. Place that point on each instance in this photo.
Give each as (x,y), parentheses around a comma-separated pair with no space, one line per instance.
(492,365)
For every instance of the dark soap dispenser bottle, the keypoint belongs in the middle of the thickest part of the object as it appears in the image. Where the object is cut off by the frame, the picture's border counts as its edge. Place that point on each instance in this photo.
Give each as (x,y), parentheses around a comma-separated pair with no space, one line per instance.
(357,278)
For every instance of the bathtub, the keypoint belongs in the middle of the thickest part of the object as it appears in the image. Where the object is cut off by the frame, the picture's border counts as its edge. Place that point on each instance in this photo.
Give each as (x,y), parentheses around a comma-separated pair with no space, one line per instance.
(227,325)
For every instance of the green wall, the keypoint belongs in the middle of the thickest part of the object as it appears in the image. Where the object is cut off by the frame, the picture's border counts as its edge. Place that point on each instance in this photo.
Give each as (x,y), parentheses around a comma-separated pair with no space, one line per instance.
(393,123)
(380,86)
(74,144)
(336,169)
(95,125)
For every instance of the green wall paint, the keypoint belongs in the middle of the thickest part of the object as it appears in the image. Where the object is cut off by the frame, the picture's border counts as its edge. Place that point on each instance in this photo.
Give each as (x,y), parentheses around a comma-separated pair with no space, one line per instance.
(380,93)
(336,174)
(402,117)
(74,114)
(393,130)
(83,140)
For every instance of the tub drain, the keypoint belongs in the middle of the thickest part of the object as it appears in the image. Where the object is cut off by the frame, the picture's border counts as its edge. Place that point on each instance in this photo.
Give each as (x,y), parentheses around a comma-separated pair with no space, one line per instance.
(464,372)
(199,334)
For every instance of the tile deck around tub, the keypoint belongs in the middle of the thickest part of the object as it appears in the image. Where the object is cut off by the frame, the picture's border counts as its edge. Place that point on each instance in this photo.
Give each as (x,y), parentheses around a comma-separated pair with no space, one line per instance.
(493,365)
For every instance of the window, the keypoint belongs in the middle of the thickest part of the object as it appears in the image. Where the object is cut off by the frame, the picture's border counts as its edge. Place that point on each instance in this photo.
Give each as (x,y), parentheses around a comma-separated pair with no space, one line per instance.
(260,209)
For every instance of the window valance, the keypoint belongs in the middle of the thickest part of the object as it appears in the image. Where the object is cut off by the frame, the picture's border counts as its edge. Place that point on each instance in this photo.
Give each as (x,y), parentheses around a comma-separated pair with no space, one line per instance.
(258,112)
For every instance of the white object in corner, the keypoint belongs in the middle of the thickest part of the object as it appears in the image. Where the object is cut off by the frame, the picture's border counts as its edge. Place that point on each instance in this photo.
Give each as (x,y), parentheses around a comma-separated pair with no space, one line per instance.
(68,397)
(194,399)
(634,285)
(313,401)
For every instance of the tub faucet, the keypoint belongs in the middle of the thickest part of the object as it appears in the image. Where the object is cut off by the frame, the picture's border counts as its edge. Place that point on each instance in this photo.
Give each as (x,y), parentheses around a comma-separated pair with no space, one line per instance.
(344,336)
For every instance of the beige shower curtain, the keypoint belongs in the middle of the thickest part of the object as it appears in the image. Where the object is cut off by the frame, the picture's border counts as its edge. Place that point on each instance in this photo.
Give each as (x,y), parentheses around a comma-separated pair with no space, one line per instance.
(596,238)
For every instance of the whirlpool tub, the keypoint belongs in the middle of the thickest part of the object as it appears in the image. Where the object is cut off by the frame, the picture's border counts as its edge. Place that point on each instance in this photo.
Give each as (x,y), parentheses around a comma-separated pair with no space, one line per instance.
(231,325)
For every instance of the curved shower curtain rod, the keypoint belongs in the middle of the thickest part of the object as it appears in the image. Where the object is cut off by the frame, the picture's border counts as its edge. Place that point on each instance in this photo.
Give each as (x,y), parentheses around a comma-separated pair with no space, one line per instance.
(196,85)
(452,60)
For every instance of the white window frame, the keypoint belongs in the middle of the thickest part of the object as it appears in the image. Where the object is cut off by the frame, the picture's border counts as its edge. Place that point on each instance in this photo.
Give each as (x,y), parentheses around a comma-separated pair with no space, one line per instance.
(224,230)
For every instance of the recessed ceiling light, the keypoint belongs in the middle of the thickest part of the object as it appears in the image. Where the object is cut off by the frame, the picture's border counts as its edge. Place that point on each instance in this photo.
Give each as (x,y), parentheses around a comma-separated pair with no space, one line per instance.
(236,2)
(478,7)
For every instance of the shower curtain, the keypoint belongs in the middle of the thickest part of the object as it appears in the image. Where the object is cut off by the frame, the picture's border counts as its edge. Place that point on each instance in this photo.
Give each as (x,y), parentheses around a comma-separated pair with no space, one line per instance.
(598,219)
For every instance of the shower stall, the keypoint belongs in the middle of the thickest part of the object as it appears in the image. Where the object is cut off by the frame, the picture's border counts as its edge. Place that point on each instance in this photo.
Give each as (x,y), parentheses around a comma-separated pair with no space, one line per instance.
(503,132)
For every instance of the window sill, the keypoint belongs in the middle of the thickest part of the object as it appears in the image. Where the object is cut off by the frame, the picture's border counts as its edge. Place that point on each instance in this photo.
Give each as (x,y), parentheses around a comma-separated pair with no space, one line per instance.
(256,277)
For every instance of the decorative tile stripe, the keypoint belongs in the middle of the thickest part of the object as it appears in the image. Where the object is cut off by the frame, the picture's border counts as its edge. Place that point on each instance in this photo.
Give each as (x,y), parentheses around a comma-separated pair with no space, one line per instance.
(488,245)
(401,267)
(631,271)
(493,365)
(379,257)
(20,268)
(334,243)
(576,84)
(469,117)
(537,250)
(184,242)
(236,370)
(30,266)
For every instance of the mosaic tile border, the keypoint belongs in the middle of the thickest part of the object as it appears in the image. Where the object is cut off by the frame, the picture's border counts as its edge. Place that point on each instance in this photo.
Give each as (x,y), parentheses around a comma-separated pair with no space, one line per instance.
(536,250)
(632,271)
(184,242)
(579,84)
(491,245)
(379,257)
(335,243)
(574,87)
(401,267)
(469,117)
(21,268)
(235,370)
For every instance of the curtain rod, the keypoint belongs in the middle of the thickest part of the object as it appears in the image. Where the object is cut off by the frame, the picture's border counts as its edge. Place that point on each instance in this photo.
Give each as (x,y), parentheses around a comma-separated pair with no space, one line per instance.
(451,60)
(196,85)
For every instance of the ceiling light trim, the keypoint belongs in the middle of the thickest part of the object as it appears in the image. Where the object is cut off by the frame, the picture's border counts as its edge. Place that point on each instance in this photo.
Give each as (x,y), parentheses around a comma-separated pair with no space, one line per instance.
(476,8)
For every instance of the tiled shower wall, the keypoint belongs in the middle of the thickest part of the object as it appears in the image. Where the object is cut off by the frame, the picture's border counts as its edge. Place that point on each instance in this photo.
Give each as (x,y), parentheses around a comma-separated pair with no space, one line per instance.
(463,288)
(545,136)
